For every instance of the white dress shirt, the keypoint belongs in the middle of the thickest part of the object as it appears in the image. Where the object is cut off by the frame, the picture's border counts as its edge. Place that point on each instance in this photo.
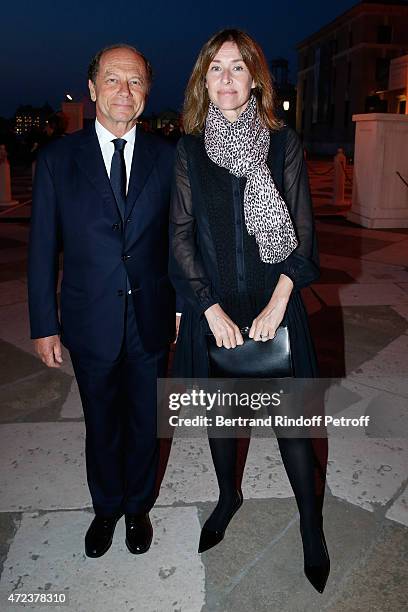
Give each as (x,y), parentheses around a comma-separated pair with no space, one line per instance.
(105,138)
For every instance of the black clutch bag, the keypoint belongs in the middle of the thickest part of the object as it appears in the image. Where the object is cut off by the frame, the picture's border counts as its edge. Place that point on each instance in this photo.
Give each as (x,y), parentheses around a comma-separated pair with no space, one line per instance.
(270,359)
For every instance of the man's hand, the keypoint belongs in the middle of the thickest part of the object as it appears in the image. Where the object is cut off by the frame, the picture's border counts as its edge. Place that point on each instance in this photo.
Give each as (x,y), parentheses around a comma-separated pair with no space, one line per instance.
(225,331)
(49,351)
(178,319)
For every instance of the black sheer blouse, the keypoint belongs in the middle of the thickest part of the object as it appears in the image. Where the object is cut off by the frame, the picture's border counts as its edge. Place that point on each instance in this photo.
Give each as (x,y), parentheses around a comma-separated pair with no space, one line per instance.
(212,256)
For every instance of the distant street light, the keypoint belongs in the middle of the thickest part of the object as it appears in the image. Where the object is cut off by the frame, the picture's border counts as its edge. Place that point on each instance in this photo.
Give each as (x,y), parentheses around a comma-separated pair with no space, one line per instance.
(69,97)
(286,105)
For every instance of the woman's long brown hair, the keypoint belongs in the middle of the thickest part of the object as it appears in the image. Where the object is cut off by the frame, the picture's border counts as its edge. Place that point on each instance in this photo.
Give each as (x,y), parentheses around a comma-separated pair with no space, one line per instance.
(196,99)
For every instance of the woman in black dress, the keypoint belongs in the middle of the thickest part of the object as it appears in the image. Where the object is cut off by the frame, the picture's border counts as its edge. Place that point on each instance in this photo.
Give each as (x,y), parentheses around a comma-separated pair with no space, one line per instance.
(242,245)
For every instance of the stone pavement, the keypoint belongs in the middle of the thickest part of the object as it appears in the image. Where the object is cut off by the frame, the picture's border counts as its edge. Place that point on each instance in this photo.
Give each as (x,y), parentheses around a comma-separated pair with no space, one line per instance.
(359,319)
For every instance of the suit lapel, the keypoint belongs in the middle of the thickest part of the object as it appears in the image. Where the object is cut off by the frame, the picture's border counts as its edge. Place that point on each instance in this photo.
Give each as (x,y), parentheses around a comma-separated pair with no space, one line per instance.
(90,161)
(142,165)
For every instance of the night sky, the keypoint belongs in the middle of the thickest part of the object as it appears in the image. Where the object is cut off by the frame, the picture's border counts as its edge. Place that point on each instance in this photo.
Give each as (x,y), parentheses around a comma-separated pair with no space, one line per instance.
(45,46)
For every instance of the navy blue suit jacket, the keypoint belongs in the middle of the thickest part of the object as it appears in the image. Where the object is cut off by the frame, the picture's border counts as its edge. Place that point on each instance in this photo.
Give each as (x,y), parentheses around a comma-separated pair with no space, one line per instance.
(74,208)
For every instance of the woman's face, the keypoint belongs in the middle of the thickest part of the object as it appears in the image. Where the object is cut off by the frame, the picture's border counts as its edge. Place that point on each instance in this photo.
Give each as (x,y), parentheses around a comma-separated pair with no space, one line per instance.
(229,82)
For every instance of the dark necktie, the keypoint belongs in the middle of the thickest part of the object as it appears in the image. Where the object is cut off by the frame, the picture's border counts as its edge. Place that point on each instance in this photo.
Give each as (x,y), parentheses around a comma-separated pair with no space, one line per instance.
(118,174)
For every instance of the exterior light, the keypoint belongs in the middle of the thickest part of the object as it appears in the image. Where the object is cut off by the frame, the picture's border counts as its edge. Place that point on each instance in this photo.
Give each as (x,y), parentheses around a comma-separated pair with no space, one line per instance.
(69,97)
(286,105)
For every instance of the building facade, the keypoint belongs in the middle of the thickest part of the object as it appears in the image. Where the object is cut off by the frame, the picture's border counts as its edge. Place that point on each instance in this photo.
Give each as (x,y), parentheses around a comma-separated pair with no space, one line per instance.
(344,70)
(29,118)
(396,95)
(285,91)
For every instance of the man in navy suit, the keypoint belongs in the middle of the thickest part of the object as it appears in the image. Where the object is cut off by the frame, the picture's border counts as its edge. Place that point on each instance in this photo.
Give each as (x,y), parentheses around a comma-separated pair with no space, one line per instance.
(102,194)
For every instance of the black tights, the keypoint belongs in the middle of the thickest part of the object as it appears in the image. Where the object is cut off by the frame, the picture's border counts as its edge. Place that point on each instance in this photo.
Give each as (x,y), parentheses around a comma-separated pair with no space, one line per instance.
(299,460)
(224,456)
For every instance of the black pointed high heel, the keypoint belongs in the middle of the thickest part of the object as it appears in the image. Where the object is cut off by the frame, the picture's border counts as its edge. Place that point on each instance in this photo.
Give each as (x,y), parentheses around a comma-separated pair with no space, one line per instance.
(209,537)
(318,574)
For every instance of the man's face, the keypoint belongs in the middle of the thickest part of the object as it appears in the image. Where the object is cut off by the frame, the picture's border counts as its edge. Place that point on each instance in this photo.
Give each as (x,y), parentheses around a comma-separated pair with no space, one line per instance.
(120,90)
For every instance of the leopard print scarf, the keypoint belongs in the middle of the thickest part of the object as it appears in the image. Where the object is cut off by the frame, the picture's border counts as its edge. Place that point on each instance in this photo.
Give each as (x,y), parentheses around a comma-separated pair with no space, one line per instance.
(242,147)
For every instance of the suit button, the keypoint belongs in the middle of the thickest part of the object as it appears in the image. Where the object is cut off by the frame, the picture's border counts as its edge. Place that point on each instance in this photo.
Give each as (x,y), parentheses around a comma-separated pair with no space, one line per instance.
(120,292)
(125,257)
(115,227)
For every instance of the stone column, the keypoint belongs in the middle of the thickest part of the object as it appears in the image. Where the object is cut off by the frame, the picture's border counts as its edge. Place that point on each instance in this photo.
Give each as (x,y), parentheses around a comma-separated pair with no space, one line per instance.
(380,195)
(74,111)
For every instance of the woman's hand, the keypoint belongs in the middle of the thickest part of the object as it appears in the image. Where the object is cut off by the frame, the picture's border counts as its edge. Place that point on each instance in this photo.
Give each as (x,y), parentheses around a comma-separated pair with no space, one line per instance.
(267,322)
(225,331)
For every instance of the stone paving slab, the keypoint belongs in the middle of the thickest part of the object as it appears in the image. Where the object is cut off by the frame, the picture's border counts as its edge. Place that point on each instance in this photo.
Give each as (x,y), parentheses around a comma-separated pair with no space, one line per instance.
(333,244)
(402,309)
(251,547)
(47,554)
(14,326)
(190,476)
(35,398)
(13,291)
(264,474)
(396,253)
(259,565)
(347,337)
(72,407)
(364,271)
(376,581)
(367,472)
(363,476)
(9,523)
(358,232)
(399,510)
(367,331)
(389,363)
(15,329)
(43,467)
(365,396)
(13,254)
(380,294)
(9,243)
(16,364)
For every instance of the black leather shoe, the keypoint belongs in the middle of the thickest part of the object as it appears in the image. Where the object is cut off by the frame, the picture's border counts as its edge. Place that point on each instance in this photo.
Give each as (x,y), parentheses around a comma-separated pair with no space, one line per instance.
(139,533)
(99,536)
(210,537)
(318,574)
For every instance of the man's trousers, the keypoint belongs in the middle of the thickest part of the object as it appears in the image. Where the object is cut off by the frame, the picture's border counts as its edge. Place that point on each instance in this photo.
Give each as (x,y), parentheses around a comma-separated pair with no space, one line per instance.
(119,403)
